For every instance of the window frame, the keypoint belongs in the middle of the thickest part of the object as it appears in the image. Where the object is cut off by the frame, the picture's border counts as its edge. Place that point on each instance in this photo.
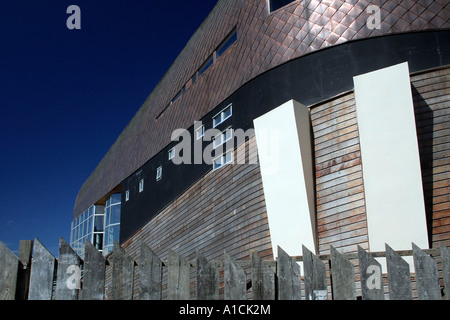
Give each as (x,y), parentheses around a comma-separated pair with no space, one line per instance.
(223,156)
(223,137)
(171,153)
(159,173)
(221,115)
(202,129)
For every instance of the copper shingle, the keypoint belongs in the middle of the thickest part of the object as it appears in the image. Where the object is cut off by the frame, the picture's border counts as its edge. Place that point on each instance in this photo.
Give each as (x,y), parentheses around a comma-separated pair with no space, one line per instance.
(264,41)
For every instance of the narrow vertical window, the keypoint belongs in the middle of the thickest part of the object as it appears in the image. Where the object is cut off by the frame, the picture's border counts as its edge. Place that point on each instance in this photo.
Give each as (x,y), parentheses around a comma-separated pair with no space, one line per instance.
(159,173)
(127,195)
(141,185)
(171,153)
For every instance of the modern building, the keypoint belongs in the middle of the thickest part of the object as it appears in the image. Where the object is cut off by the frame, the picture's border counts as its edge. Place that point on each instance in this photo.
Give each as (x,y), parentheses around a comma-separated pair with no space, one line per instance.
(346,105)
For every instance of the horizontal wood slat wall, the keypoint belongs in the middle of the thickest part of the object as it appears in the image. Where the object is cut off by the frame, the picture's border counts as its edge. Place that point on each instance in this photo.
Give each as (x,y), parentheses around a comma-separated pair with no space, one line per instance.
(341,213)
(431,94)
(225,210)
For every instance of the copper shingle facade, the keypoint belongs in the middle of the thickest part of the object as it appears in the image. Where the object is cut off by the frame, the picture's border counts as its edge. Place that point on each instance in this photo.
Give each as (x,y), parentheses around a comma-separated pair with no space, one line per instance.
(265,41)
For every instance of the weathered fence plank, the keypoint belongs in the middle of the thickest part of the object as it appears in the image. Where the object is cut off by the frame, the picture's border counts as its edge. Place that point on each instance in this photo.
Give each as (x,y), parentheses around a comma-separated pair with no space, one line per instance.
(371,276)
(427,276)
(445,256)
(150,275)
(399,278)
(68,274)
(23,276)
(235,278)
(207,279)
(43,267)
(315,275)
(93,274)
(289,282)
(269,279)
(122,274)
(263,279)
(178,281)
(342,276)
(9,266)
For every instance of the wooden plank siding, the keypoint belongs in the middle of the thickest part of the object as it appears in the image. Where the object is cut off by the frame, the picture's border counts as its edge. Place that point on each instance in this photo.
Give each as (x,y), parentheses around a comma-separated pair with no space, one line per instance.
(225,210)
(431,94)
(341,214)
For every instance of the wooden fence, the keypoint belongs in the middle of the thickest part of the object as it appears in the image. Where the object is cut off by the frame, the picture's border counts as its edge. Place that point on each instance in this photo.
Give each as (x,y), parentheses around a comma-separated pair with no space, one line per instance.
(37,275)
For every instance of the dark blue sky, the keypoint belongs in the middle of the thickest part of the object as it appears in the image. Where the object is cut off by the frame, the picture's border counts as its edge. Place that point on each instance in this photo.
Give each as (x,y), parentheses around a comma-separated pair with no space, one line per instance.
(66,95)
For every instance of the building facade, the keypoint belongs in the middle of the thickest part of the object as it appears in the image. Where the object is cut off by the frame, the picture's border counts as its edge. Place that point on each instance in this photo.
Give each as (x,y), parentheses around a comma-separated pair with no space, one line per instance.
(286,123)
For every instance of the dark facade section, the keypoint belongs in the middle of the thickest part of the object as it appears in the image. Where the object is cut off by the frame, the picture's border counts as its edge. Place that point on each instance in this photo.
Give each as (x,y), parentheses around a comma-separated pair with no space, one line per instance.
(309,80)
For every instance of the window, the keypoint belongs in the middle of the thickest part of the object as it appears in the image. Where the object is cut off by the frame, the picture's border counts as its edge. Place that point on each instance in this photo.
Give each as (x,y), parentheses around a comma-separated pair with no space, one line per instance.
(171,153)
(223,160)
(222,116)
(200,132)
(223,137)
(229,41)
(158,173)
(206,66)
(127,195)
(277,4)
(112,223)
(141,185)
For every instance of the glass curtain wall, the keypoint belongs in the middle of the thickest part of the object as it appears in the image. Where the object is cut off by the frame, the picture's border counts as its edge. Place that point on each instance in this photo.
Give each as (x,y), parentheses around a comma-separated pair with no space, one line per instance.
(88,226)
(112,222)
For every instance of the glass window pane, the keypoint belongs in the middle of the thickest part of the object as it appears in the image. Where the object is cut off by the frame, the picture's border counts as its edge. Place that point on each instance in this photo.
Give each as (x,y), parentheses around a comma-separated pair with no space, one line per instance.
(98,224)
(228,156)
(116,198)
(89,225)
(98,240)
(115,214)
(277,4)
(205,66)
(227,44)
(217,119)
(227,113)
(107,216)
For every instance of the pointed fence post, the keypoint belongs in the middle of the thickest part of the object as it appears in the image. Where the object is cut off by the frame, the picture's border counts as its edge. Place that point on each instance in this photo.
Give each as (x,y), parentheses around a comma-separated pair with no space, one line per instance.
(371,276)
(263,279)
(445,256)
(399,277)
(9,267)
(93,287)
(42,273)
(68,280)
(23,277)
(235,280)
(315,275)
(122,274)
(207,279)
(151,275)
(427,276)
(342,276)
(178,281)
(289,282)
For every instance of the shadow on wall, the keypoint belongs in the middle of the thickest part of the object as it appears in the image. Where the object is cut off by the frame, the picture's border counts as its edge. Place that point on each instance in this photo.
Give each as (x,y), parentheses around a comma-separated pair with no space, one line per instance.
(425,128)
